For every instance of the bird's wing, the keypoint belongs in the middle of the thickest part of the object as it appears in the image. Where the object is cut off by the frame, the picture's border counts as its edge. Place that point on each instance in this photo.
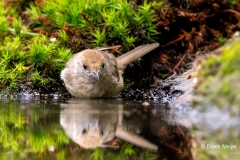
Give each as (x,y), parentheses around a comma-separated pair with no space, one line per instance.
(109,57)
(107,48)
(134,54)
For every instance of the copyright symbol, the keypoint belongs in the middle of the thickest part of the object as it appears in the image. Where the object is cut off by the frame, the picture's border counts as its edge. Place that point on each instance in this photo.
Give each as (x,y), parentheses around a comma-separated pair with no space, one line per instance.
(203,146)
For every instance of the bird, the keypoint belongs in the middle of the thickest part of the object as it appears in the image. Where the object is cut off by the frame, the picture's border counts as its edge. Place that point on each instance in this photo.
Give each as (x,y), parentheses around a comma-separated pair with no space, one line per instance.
(96,73)
(93,123)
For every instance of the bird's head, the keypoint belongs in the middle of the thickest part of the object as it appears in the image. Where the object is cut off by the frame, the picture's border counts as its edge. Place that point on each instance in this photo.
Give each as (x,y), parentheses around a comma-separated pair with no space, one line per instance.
(91,64)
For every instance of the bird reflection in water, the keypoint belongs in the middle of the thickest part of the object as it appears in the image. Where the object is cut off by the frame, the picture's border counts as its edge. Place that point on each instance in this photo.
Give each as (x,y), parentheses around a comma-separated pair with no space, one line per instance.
(92,123)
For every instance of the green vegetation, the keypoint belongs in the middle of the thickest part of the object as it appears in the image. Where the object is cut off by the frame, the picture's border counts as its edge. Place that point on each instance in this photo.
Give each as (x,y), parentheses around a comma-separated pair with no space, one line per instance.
(37,60)
(221,40)
(103,22)
(218,90)
(39,37)
(218,79)
(232,2)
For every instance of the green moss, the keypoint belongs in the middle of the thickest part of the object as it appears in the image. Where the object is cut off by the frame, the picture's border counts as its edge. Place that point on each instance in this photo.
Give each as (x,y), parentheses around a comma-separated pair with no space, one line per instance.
(37,60)
(40,51)
(222,40)
(27,56)
(115,20)
(63,36)
(100,37)
(3,20)
(232,2)
(218,79)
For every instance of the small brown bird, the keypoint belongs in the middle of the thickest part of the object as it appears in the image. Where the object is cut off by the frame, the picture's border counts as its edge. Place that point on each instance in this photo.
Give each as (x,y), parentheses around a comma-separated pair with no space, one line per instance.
(94,73)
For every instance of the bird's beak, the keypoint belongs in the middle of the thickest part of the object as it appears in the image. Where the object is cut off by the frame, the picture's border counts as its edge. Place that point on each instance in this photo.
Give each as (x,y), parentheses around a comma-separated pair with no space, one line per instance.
(96,74)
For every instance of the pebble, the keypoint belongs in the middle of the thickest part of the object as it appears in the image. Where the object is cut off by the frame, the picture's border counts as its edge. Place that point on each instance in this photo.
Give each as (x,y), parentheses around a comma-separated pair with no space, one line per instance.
(145,103)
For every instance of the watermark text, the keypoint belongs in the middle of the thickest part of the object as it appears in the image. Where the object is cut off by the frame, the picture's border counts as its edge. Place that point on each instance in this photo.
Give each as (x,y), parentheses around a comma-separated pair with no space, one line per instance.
(218,146)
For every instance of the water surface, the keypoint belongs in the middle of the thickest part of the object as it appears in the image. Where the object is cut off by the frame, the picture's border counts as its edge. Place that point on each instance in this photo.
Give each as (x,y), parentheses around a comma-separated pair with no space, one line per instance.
(101,129)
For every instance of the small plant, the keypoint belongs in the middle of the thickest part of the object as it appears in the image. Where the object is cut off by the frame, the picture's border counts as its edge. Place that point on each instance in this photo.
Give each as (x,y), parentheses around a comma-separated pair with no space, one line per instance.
(34,14)
(222,40)
(232,2)
(3,76)
(97,154)
(128,150)
(36,78)
(40,51)
(149,156)
(120,30)
(99,38)
(63,36)
(129,42)
(61,57)
(127,82)
(17,26)
(61,155)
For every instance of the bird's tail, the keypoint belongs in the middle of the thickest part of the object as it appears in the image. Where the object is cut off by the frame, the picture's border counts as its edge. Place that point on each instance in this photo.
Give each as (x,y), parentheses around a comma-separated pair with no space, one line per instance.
(134,54)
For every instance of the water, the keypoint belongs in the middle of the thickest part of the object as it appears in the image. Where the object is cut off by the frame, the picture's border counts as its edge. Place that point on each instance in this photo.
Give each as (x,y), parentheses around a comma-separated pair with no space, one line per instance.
(53,128)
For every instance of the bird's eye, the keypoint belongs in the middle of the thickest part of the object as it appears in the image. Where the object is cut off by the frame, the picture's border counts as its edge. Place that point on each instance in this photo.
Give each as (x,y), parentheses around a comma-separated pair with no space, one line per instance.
(84,66)
(84,131)
(103,65)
